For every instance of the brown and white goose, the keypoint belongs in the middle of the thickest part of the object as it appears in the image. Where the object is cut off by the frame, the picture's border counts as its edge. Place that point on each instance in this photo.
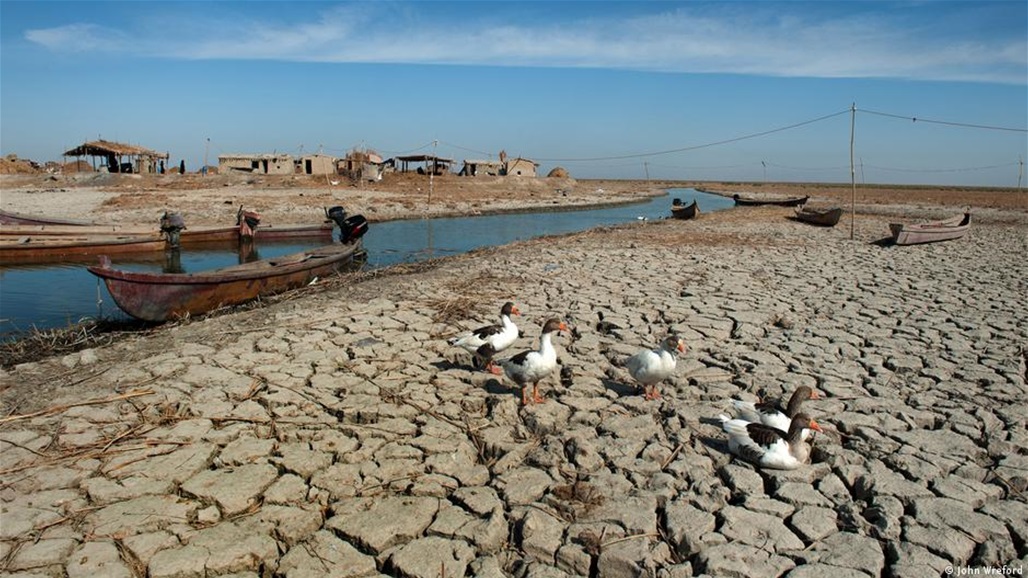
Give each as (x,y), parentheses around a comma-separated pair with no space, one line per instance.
(530,367)
(485,342)
(771,412)
(769,447)
(650,367)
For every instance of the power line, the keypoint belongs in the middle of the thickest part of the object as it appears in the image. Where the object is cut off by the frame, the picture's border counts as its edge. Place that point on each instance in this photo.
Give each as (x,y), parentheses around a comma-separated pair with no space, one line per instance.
(959,170)
(943,122)
(691,148)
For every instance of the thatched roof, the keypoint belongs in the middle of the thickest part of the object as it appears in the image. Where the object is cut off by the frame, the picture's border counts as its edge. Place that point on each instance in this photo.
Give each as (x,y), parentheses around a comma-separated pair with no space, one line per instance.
(102,148)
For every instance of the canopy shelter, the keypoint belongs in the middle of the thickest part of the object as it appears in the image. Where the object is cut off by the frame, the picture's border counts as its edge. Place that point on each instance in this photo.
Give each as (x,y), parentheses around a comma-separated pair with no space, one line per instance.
(432,164)
(118,157)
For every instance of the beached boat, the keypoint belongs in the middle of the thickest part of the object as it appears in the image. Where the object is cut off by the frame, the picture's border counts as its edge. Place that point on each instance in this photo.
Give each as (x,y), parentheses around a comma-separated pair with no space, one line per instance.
(680,211)
(11,218)
(753,202)
(164,296)
(945,230)
(820,217)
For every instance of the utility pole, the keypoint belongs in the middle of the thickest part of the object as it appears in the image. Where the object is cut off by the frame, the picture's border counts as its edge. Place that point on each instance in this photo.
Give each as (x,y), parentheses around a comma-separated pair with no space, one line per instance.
(431,173)
(646,168)
(206,150)
(764,164)
(1020,170)
(853,172)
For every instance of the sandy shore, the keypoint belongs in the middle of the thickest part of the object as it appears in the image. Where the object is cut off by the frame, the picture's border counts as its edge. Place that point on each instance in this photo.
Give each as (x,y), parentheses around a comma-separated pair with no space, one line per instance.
(338,434)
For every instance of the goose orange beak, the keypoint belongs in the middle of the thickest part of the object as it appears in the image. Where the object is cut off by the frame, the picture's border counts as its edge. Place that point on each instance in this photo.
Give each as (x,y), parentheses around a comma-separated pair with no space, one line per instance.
(814,426)
(681,346)
(813,394)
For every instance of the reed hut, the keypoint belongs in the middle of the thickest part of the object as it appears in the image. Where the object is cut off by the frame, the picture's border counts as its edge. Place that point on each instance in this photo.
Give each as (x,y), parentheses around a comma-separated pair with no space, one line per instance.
(115,157)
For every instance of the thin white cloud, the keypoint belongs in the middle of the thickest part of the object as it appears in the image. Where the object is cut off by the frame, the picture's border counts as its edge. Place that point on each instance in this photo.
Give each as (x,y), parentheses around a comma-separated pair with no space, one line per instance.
(733,41)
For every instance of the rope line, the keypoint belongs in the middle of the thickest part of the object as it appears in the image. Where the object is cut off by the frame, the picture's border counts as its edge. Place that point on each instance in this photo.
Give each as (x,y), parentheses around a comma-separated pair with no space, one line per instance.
(943,122)
(695,147)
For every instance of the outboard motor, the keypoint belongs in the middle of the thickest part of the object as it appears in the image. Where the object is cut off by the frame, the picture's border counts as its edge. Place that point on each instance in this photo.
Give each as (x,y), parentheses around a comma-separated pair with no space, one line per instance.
(676,203)
(172,225)
(247,221)
(337,214)
(353,228)
(350,228)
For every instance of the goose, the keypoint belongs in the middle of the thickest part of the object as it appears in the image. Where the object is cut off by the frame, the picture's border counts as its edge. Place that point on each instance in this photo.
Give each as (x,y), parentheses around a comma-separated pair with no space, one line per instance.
(650,367)
(770,412)
(485,342)
(532,366)
(768,447)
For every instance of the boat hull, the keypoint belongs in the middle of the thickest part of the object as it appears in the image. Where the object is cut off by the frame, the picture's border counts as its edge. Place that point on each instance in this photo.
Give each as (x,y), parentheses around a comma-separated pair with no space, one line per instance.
(49,243)
(685,211)
(819,217)
(750,202)
(916,234)
(9,218)
(40,249)
(163,296)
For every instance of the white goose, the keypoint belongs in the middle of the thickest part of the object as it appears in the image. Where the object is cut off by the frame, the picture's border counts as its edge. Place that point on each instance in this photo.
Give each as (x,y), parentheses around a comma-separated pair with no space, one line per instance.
(485,342)
(770,412)
(768,447)
(650,367)
(532,366)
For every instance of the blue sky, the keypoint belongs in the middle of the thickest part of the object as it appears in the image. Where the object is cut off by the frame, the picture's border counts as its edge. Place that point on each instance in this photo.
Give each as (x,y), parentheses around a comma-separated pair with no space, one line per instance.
(728,90)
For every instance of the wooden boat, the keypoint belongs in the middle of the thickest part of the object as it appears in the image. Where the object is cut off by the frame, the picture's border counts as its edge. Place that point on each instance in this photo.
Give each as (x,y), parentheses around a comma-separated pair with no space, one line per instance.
(163,296)
(913,234)
(753,202)
(50,242)
(48,248)
(11,218)
(680,211)
(201,234)
(820,217)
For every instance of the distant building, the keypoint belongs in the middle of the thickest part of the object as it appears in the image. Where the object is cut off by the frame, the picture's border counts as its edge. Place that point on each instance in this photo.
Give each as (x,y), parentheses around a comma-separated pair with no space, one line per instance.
(520,167)
(317,165)
(429,164)
(261,164)
(115,157)
(362,165)
(473,168)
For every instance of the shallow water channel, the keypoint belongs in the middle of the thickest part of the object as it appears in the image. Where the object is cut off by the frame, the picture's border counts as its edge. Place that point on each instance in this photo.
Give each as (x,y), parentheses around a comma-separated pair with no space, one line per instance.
(58,294)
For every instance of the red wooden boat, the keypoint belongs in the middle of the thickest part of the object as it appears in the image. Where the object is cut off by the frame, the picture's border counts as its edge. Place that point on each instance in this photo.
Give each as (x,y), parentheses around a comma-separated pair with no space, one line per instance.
(164,296)
(753,202)
(57,241)
(45,248)
(913,234)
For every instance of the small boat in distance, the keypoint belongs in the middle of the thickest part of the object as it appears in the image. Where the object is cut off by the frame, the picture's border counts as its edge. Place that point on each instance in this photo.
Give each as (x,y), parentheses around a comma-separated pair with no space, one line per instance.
(821,217)
(754,202)
(680,211)
(945,230)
